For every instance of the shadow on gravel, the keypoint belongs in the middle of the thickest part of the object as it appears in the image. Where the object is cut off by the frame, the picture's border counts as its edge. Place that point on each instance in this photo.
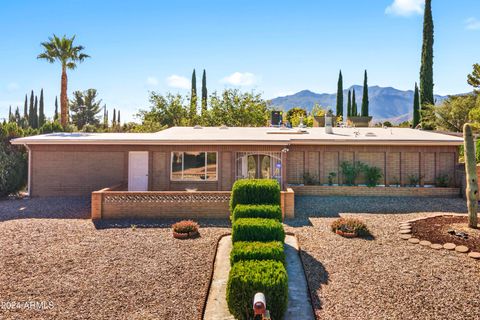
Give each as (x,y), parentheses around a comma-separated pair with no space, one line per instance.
(45,208)
(156,223)
(316,275)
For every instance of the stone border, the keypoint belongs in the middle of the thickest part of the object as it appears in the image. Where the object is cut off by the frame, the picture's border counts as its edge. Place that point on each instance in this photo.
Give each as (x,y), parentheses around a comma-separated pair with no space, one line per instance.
(405,230)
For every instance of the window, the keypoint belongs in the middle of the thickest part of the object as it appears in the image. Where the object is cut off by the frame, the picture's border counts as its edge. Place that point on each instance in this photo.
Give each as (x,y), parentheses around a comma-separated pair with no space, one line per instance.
(194,166)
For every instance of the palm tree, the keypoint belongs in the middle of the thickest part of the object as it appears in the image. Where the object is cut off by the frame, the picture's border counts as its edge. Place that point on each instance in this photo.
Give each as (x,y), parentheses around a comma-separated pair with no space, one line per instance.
(63,51)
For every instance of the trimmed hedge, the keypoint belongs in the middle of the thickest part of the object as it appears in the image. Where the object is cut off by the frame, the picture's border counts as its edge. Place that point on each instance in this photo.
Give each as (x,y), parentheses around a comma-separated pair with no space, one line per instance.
(249,277)
(257,229)
(257,211)
(255,191)
(254,250)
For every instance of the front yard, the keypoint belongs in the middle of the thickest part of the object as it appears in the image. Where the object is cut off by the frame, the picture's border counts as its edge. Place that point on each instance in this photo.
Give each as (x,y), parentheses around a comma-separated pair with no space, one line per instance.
(111,272)
(383,277)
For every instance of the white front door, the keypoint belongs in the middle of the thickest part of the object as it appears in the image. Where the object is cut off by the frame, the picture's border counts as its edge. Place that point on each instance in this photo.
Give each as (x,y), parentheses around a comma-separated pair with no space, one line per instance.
(138,171)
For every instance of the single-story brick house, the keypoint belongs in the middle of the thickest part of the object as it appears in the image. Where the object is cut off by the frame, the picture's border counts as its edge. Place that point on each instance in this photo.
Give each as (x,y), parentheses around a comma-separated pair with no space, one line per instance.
(212,158)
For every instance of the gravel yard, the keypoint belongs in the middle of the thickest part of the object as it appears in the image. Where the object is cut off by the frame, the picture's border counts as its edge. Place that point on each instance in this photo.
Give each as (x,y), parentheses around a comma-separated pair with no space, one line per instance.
(383,278)
(84,271)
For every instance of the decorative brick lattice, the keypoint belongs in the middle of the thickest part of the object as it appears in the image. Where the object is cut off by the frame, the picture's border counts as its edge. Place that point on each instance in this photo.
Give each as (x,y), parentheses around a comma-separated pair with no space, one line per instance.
(166,198)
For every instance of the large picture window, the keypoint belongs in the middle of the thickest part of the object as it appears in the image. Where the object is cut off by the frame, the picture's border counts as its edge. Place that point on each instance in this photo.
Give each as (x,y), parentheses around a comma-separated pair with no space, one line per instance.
(194,166)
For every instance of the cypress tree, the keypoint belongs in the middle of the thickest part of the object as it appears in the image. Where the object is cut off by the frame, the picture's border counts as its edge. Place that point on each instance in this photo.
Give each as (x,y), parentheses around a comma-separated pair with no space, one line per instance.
(41,112)
(426,69)
(18,118)
(105,121)
(55,116)
(193,100)
(365,101)
(114,118)
(340,95)
(349,104)
(31,117)
(204,93)
(354,105)
(10,115)
(118,118)
(35,114)
(416,107)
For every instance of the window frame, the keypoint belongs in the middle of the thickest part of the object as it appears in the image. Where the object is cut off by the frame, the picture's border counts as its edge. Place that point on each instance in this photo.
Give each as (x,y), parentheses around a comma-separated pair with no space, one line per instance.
(183,164)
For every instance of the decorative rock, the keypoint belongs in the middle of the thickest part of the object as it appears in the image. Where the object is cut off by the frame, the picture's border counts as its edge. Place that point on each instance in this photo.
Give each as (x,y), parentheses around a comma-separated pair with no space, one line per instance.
(449,246)
(436,246)
(405,236)
(405,231)
(474,255)
(405,227)
(414,240)
(462,249)
(425,243)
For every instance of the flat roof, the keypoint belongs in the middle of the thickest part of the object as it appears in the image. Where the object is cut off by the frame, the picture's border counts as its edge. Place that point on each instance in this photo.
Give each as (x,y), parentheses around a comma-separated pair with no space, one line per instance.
(251,135)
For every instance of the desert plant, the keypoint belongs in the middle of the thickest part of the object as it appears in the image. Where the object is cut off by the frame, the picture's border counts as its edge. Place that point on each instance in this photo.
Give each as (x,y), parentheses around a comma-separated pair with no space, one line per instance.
(186,226)
(309,179)
(372,175)
(350,171)
(254,250)
(413,180)
(255,191)
(471,172)
(443,180)
(246,278)
(257,211)
(395,181)
(257,229)
(331,178)
(350,225)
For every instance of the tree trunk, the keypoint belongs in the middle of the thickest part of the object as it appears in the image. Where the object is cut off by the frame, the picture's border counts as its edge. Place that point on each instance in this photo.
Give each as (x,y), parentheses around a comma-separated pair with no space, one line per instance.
(64,99)
(471,176)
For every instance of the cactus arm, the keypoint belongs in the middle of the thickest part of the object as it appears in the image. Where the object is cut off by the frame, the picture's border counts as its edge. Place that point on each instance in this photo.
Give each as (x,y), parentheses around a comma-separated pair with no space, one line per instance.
(471,176)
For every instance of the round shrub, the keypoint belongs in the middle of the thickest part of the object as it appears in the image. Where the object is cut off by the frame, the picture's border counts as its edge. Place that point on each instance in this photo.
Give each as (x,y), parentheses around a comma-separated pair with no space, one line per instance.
(255,191)
(186,226)
(257,229)
(249,277)
(350,225)
(257,251)
(257,211)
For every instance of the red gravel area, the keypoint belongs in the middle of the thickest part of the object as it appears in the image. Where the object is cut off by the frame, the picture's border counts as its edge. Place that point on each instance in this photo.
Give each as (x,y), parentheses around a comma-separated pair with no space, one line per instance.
(435,230)
(109,273)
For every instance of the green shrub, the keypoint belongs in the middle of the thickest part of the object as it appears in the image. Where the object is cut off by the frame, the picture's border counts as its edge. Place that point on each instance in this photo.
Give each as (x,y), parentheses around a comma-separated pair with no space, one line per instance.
(13,169)
(257,211)
(249,277)
(255,191)
(309,179)
(443,180)
(255,250)
(257,229)
(351,171)
(372,175)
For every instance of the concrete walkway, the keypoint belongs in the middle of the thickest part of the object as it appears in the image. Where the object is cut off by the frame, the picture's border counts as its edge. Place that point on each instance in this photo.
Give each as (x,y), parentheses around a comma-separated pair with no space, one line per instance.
(299,304)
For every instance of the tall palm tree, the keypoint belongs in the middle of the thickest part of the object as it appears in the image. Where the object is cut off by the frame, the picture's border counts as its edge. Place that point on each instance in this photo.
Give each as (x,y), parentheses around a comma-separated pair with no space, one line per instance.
(63,51)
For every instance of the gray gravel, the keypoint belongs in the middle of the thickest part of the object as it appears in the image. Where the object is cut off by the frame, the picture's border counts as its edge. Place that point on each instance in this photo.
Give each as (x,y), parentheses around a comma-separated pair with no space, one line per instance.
(384,277)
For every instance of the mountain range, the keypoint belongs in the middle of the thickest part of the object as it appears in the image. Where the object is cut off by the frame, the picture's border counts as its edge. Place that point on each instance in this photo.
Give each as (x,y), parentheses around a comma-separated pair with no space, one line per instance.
(386,103)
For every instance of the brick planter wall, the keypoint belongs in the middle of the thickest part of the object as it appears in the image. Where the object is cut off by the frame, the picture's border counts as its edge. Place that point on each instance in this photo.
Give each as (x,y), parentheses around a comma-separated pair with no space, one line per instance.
(376,191)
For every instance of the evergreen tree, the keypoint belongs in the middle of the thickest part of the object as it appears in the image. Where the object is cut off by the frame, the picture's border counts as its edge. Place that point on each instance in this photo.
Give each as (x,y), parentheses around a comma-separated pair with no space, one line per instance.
(118,118)
(10,116)
(193,100)
(416,107)
(114,124)
(35,114)
(354,105)
(349,104)
(340,95)
(365,101)
(55,116)
(41,111)
(426,69)
(105,119)
(18,118)
(204,93)
(31,116)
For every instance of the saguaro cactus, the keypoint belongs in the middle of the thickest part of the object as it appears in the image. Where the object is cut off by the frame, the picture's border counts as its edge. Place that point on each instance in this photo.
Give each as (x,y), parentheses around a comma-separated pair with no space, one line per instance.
(471,172)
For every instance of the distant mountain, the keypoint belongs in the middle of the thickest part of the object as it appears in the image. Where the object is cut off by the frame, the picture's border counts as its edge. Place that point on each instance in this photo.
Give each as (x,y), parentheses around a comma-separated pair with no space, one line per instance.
(385,103)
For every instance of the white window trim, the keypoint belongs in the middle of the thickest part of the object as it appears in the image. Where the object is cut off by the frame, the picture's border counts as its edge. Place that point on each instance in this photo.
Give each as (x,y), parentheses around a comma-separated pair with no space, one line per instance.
(183,163)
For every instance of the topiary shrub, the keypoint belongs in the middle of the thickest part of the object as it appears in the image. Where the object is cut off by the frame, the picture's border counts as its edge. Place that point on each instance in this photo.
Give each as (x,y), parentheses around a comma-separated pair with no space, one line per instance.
(255,250)
(255,191)
(185,229)
(350,225)
(249,277)
(257,229)
(257,211)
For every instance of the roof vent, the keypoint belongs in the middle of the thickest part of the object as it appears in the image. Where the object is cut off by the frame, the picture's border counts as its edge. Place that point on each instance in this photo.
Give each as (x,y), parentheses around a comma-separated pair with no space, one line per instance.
(223,127)
(198,127)
(370,134)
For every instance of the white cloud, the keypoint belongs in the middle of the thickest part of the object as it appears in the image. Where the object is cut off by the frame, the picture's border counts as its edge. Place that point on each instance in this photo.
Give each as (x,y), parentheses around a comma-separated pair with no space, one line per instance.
(472,24)
(175,81)
(405,7)
(240,79)
(12,86)
(152,81)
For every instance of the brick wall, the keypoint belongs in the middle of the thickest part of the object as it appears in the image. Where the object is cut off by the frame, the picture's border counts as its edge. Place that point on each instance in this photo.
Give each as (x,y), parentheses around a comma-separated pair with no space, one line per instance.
(376,192)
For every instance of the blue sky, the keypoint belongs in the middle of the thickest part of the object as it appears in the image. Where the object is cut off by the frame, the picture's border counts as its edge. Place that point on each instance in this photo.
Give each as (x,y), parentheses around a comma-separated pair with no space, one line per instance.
(272,47)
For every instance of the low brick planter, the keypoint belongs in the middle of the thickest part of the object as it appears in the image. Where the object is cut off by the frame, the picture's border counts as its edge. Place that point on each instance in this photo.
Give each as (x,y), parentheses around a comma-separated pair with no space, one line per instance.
(375,191)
